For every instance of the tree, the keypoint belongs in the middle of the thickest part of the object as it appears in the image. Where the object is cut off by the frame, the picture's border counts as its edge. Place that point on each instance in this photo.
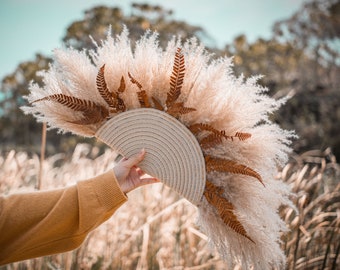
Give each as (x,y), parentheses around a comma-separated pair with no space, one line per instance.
(315,29)
(143,17)
(300,59)
(277,61)
(17,128)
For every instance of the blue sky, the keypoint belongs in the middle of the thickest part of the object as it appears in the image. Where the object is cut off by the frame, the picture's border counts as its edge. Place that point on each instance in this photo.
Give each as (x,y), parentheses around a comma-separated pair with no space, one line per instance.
(28,27)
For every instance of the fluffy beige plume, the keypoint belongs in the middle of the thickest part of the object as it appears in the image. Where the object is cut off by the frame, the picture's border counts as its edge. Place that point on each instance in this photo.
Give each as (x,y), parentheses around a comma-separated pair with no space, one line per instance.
(228,115)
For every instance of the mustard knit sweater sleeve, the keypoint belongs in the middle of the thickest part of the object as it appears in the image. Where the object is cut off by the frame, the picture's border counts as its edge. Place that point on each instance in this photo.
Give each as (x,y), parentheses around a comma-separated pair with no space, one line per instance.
(47,222)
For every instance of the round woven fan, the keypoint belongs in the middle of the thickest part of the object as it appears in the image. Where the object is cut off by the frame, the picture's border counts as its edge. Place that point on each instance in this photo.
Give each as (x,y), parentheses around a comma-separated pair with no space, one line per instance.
(207,133)
(174,154)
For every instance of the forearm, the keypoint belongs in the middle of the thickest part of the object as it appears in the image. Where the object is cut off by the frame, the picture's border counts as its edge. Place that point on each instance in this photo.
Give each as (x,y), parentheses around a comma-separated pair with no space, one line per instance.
(42,223)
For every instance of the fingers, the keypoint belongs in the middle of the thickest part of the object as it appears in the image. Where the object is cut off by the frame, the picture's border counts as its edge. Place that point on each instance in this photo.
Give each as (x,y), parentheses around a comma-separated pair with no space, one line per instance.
(135,159)
(149,180)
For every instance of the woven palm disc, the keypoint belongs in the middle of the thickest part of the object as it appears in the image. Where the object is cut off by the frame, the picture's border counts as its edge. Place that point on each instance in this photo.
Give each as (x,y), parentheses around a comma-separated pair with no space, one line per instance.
(173,152)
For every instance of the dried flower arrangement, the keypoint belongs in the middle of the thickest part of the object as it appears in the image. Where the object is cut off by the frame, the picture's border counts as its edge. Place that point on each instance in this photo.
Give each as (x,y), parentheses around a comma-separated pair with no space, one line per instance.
(239,215)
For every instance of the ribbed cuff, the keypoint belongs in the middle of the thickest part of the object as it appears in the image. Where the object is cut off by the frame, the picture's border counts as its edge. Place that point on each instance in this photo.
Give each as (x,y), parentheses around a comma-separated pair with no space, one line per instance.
(108,191)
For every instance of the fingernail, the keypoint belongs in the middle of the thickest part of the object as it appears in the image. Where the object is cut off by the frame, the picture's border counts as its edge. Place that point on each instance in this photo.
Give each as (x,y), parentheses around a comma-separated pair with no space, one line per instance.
(142,152)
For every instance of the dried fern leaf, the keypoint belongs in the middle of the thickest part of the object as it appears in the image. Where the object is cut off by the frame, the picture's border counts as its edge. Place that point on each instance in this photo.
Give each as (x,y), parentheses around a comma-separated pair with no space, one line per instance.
(92,112)
(142,96)
(211,141)
(176,79)
(143,99)
(224,208)
(71,102)
(122,85)
(157,104)
(93,116)
(230,166)
(242,136)
(199,127)
(178,109)
(115,103)
(115,97)
(134,81)
(120,105)
(102,88)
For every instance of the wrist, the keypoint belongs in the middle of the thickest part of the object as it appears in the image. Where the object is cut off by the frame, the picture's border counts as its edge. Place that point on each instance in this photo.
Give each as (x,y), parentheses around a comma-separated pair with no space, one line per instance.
(120,179)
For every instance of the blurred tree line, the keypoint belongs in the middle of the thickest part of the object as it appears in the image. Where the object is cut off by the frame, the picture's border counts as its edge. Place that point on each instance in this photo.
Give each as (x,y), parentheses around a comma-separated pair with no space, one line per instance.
(302,59)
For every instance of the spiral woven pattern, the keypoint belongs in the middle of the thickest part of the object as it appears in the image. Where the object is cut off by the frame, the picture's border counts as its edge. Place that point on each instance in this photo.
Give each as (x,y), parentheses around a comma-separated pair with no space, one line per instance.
(173,153)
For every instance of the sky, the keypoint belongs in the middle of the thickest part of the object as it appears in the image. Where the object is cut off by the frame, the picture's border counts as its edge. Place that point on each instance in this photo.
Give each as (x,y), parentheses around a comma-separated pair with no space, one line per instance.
(28,27)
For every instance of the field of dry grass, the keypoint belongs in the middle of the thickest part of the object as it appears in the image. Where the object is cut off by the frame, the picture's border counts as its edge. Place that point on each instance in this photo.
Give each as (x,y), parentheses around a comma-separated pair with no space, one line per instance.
(156,229)
(314,240)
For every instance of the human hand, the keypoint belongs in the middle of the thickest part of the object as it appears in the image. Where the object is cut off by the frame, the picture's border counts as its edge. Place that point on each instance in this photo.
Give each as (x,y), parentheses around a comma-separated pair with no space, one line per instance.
(129,176)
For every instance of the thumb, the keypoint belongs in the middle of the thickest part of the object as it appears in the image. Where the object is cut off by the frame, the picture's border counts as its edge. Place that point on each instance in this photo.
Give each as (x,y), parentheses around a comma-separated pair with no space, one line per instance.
(135,159)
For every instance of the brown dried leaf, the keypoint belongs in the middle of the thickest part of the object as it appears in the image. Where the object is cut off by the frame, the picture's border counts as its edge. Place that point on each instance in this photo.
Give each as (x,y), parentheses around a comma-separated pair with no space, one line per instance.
(242,136)
(143,99)
(157,104)
(71,102)
(142,96)
(122,85)
(215,139)
(211,140)
(92,112)
(134,81)
(120,105)
(230,166)
(178,109)
(176,79)
(102,88)
(216,135)
(196,128)
(224,208)
(93,116)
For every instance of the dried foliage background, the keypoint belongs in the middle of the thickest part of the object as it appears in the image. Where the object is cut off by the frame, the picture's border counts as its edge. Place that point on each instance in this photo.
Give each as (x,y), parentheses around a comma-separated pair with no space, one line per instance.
(155,228)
